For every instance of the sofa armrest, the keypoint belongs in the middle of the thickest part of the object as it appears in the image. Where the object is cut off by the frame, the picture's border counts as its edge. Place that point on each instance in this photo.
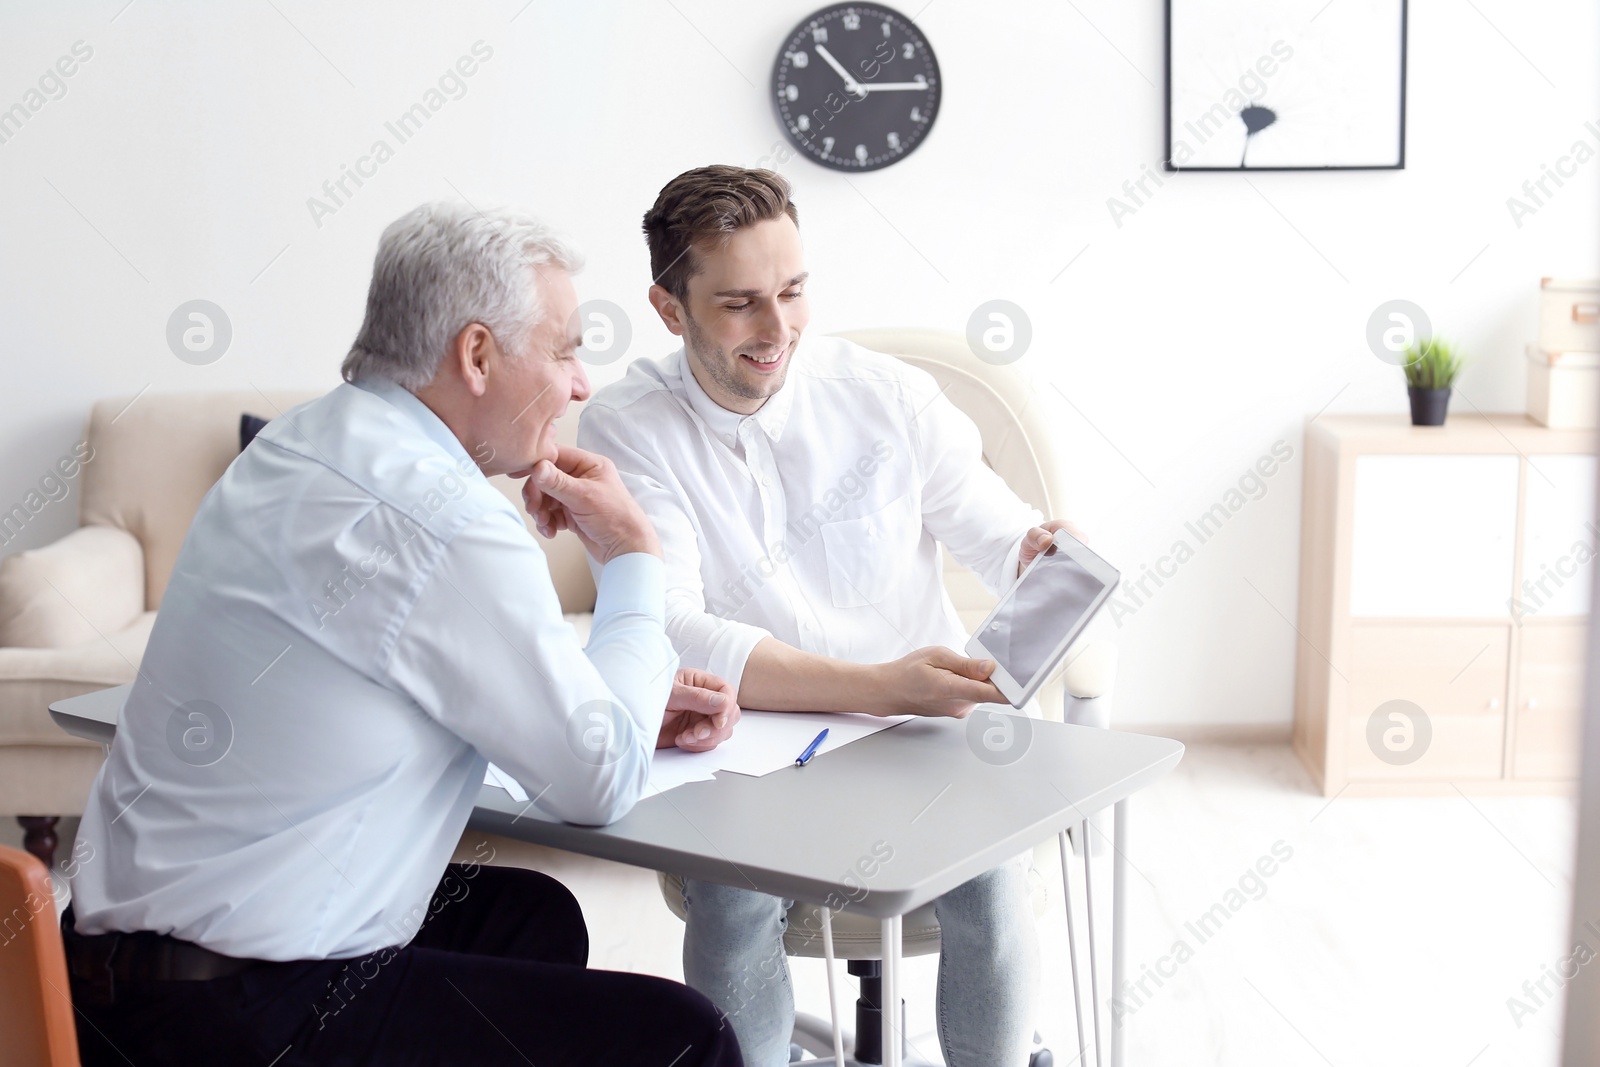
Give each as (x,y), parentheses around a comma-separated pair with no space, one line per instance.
(31,679)
(89,583)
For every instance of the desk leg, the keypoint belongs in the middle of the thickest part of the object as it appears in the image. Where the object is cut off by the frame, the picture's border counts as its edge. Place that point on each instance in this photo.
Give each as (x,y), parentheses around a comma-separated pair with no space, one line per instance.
(1072,942)
(893,1039)
(833,998)
(1119,913)
(1094,964)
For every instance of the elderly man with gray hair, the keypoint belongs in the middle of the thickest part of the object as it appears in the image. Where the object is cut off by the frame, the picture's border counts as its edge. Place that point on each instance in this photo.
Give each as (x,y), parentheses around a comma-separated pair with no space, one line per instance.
(282,893)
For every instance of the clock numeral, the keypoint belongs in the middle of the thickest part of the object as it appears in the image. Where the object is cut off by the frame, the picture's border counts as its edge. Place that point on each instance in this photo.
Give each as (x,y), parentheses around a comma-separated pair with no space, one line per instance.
(909,50)
(894,140)
(803,123)
(886,29)
(827,145)
(916,114)
(799,59)
(792,91)
(861,153)
(852,21)
(819,35)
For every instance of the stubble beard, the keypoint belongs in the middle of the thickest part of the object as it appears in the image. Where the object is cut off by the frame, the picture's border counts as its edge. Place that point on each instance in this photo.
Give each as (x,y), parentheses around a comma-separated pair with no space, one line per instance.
(721,368)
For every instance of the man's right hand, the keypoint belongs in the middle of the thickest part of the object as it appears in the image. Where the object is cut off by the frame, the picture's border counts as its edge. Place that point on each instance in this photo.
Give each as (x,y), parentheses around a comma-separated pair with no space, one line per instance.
(582,492)
(937,682)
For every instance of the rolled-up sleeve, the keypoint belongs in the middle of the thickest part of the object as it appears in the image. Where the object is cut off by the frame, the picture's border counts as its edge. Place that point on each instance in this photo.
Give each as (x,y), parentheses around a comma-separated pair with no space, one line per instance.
(485,652)
(702,639)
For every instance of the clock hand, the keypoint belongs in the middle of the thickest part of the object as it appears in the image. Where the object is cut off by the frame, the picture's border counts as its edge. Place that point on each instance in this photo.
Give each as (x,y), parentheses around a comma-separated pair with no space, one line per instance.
(872,87)
(850,84)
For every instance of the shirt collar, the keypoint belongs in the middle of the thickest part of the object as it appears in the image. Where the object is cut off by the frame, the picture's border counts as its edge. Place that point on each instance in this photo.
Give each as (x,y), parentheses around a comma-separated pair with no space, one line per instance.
(725,424)
(403,399)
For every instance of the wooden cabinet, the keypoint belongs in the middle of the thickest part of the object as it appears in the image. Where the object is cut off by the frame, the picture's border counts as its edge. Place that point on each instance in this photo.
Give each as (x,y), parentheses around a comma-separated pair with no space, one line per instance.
(1456,674)
(1544,728)
(1445,577)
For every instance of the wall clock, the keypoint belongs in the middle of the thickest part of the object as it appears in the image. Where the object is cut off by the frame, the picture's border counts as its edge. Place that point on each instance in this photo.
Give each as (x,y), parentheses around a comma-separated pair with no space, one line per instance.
(856,86)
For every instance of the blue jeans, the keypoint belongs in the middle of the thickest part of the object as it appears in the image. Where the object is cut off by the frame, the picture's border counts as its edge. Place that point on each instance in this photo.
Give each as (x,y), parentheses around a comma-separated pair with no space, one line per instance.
(988,967)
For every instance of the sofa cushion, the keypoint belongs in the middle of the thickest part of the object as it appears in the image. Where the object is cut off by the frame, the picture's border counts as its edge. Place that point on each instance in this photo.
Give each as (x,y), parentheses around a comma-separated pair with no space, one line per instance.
(69,592)
(249,426)
(31,679)
(155,457)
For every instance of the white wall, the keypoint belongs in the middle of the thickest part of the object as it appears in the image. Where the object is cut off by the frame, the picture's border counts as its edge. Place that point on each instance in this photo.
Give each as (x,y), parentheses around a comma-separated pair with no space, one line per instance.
(1206,327)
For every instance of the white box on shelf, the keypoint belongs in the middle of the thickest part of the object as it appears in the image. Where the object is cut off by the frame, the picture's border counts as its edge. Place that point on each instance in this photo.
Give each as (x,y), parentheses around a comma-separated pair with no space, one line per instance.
(1569,315)
(1564,388)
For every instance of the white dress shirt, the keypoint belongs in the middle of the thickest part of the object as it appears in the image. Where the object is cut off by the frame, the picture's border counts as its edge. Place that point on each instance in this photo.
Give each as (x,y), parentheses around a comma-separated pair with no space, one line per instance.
(357,620)
(815,520)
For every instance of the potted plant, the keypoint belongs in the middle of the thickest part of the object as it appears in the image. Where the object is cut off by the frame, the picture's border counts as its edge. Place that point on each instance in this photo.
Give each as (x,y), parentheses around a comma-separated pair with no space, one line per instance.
(1431,367)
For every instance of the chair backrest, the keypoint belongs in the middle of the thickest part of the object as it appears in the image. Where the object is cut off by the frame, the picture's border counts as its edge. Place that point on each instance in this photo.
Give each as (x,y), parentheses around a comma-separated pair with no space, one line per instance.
(156,455)
(36,1022)
(1014,418)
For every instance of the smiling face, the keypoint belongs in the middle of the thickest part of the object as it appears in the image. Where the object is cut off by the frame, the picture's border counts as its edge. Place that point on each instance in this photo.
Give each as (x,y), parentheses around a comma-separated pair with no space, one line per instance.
(743,313)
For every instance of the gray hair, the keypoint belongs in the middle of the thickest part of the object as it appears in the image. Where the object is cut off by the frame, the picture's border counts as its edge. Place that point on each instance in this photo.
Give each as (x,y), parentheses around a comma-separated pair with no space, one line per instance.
(441,267)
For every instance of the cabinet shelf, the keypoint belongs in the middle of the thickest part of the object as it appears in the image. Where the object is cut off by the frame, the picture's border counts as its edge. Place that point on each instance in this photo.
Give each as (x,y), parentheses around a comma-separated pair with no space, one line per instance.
(1445,575)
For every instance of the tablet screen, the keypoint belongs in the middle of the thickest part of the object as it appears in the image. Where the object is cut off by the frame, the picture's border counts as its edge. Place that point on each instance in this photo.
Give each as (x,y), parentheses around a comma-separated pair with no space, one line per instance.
(1029,624)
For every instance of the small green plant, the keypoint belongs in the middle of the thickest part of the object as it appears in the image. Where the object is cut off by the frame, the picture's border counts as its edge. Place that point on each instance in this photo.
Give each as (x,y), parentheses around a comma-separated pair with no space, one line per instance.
(1432,364)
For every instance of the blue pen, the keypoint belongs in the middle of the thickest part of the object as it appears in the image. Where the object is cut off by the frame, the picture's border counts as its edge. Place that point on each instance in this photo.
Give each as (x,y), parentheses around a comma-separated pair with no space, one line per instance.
(811,749)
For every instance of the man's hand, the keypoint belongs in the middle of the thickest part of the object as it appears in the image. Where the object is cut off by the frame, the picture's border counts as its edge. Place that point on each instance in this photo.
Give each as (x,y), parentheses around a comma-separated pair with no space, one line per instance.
(1042,537)
(935,681)
(701,712)
(582,492)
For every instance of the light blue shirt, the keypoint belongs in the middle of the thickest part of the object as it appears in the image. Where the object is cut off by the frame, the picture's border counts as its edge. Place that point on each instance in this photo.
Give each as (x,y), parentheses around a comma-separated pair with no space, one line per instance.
(356,622)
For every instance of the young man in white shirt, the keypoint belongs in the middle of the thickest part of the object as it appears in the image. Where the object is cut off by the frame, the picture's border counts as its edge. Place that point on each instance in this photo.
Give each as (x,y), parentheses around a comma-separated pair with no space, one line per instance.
(801,488)
(356,622)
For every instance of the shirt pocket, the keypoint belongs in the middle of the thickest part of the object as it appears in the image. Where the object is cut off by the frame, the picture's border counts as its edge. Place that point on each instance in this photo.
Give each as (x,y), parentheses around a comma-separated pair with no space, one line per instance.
(867,555)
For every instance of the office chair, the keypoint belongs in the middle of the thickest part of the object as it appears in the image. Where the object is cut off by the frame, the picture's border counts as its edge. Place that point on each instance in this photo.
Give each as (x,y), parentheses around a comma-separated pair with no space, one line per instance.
(1016,422)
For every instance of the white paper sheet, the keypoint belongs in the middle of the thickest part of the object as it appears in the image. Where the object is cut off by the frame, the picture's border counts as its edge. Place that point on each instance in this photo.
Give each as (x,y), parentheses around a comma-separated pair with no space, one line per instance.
(495,776)
(672,767)
(762,742)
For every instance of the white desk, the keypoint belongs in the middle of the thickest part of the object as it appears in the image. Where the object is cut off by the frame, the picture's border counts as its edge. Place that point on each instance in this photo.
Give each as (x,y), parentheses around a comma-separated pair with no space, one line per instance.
(948,815)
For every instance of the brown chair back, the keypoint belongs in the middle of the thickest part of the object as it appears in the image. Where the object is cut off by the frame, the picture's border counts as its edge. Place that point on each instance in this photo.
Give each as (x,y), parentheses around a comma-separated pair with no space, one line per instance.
(35,1000)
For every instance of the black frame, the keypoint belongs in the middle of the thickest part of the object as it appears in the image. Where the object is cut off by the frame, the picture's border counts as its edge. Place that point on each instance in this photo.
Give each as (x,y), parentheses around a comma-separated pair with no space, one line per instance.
(1166,126)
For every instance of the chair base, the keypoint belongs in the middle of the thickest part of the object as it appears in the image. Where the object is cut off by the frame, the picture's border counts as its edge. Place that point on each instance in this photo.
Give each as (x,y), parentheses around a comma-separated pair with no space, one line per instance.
(815,1036)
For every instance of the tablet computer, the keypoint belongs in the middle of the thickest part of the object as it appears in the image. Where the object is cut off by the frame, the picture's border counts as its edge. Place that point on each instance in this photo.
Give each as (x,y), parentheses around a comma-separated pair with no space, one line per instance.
(1029,631)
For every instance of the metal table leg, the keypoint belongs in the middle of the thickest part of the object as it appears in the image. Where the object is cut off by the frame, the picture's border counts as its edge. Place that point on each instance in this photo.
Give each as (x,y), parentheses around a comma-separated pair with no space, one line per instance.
(1072,942)
(1119,912)
(1094,965)
(892,1037)
(833,998)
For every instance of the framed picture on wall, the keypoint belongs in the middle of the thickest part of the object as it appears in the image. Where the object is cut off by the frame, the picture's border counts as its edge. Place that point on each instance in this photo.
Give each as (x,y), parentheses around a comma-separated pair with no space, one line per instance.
(1267,85)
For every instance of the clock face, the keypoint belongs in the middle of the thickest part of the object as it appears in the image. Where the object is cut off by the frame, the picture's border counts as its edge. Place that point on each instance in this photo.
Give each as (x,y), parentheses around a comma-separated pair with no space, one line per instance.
(856,86)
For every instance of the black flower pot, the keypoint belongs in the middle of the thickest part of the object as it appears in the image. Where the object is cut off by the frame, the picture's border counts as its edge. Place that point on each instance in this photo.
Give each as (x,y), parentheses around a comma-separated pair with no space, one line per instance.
(1428,406)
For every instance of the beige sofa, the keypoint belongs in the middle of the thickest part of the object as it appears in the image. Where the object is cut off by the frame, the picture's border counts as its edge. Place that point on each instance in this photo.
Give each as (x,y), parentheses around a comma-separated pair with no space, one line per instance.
(75,614)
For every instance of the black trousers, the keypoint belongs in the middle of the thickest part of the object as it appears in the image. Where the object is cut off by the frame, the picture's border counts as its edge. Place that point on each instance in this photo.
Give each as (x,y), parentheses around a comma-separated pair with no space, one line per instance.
(496,975)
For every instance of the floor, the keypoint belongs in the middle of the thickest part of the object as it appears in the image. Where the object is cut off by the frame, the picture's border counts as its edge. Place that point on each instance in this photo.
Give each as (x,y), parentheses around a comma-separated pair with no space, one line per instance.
(1383,931)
